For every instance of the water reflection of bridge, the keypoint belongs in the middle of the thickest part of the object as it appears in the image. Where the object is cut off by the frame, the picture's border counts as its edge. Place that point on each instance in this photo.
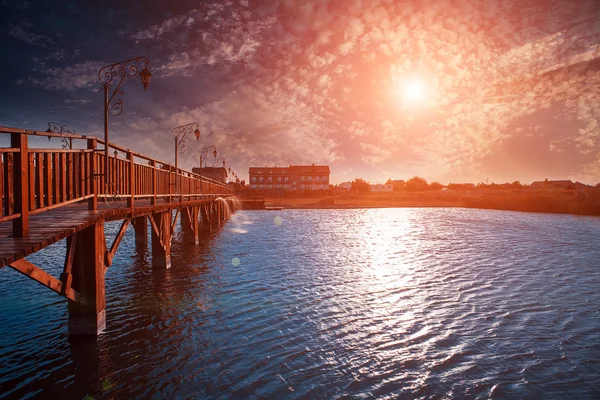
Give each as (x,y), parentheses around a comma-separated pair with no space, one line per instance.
(50,194)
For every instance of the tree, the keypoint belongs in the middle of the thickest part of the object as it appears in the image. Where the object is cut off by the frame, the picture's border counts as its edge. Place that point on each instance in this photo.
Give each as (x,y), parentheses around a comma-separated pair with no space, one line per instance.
(416,184)
(389,181)
(359,185)
(435,186)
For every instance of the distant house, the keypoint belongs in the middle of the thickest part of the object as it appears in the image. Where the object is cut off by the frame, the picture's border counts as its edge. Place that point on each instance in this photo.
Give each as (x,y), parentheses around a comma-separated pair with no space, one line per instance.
(546,184)
(294,177)
(216,173)
(345,186)
(382,187)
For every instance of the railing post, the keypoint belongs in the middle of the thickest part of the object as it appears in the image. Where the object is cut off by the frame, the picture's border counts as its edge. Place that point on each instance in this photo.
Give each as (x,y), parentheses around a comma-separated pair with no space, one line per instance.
(170,184)
(153,200)
(21,184)
(131,198)
(93,201)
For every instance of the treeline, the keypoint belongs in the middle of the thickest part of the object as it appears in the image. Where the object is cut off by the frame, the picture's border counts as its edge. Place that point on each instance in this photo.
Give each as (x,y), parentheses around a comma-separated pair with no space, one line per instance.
(419,184)
(586,202)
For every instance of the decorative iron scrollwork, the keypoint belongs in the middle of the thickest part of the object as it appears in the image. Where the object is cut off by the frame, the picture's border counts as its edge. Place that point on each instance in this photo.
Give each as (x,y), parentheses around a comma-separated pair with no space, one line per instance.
(118,72)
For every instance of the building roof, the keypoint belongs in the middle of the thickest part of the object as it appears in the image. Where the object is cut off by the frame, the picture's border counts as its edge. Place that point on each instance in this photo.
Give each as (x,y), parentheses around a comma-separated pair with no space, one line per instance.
(268,170)
(292,169)
(564,182)
(209,170)
(309,169)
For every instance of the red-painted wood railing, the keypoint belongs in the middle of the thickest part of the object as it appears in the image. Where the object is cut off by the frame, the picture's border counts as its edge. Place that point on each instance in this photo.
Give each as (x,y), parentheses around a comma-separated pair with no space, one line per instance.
(33,180)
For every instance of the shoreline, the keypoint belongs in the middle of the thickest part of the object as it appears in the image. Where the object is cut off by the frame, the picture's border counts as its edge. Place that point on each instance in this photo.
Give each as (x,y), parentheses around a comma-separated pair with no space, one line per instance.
(357,207)
(545,203)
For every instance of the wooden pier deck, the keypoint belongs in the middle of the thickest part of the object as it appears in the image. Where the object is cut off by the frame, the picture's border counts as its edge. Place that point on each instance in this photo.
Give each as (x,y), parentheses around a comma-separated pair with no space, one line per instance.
(51,226)
(49,194)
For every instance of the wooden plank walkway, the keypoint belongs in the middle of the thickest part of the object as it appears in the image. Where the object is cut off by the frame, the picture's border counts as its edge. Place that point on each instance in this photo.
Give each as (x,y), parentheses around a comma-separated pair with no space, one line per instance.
(53,225)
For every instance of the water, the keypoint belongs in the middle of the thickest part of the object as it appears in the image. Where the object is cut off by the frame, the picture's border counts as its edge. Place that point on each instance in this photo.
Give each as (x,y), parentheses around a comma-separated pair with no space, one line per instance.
(379,303)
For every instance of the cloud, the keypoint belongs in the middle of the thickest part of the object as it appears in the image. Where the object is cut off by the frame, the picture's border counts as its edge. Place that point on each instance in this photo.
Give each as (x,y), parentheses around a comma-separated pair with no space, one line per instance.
(76,76)
(76,101)
(22,32)
(322,81)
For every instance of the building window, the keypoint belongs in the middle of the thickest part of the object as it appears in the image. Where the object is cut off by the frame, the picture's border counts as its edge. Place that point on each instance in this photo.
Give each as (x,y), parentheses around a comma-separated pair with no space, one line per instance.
(270,179)
(260,179)
(302,178)
(301,186)
(287,179)
(253,179)
(270,186)
(279,179)
(317,178)
(310,178)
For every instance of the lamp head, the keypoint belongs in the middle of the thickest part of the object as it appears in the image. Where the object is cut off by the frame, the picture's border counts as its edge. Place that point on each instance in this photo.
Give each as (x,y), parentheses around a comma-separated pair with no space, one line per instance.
(215,153)
(145,75)
(197,133)
(116,153)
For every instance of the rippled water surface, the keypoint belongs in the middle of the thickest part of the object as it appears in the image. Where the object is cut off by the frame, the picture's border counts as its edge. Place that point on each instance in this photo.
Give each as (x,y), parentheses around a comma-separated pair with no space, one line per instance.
(379,303)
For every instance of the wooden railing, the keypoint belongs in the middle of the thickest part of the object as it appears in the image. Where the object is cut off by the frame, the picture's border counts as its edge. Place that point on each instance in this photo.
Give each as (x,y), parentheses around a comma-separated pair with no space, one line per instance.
(33,180)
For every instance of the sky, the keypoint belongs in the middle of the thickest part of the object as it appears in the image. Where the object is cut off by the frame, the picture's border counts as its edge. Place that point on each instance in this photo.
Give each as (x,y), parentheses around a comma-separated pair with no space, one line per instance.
(449,90)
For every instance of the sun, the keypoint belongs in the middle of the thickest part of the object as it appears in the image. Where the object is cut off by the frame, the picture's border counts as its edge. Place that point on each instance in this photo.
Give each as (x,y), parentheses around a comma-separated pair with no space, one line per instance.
(413,91)
(410,92)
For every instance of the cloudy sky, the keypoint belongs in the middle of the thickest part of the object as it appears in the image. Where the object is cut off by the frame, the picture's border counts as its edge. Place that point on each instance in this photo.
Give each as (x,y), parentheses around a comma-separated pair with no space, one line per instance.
(450,90)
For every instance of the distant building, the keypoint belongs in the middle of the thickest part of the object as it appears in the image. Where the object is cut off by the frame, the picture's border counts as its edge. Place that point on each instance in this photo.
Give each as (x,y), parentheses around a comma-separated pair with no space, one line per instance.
(294,178)
(218,174)
(345,185)
(546,184)
(382,187)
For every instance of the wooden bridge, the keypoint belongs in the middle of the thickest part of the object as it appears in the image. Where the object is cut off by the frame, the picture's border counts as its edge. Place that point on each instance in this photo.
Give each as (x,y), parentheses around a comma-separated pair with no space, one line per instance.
(50,194)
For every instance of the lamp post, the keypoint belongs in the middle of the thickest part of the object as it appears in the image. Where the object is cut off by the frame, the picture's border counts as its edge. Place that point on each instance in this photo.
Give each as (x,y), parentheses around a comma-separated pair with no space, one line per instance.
(215,165)
(203,153)
(183,130)
(55,127)
(113,104)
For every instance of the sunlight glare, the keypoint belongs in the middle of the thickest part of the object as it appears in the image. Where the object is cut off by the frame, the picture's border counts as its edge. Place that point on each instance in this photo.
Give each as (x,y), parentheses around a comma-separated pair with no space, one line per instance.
(414,91)
(410,91)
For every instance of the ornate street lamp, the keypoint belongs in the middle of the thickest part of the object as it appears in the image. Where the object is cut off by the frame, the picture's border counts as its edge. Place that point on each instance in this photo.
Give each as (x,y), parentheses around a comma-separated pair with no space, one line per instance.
(183,130)
(113,104)
(55,127)
(203,152)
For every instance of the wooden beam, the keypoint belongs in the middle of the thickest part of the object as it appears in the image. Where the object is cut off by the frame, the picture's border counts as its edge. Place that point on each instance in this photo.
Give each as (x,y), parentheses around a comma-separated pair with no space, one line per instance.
(175,220)
(187,209)
(21,182)
(117,242)
(67,277)
(39,275)
(132,180)
(93,201)
(155,228)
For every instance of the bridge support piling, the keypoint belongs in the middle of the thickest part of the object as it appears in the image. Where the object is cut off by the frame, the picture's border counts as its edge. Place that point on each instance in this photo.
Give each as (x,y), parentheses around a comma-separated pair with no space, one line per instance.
(161,240)
(189,224)
(140,226)
(205,210)
(185,220)
(88,279)
(195,225)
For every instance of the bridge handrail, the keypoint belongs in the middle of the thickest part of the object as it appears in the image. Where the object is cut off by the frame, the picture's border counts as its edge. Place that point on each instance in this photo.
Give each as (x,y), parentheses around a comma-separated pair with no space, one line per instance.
(34,180)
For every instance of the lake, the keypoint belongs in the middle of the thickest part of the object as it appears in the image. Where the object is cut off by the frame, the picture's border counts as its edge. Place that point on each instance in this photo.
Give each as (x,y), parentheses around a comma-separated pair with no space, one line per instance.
(366,303)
